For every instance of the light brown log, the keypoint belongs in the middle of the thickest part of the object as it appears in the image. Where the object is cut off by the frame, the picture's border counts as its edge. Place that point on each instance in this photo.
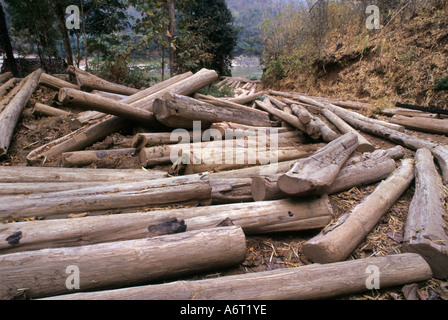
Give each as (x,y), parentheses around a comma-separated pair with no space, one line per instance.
(247,98)
(47,111)
(121,264)
(254,218)
(426,230)
(411,113)
(89,82)
(8,86)
(109,95)
(319,170)
(161,192)
(369,169)
(346,114)
(234,128)
(315,127)
(71,97)
(178,111)
(336,242)
(4,77)
(300,283)
(344,127)
(142,140)
(54,83)
(11,94)
(10,115)
(85,158)
(439,126)
(441,154)
(21,174)
(289,118)
(223,159)
(95,131)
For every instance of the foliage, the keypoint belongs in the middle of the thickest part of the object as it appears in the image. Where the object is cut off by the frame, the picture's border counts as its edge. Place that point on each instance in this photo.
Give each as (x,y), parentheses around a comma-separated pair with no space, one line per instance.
(219,92)
(441,84)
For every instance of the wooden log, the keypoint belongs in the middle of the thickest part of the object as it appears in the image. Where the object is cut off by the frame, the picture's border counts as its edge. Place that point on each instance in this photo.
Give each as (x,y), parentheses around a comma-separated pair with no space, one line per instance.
(7,86)
(421,108)
(253,218)
(222,159)
(441,154)
(289,118)
(438,126)
(89,82)
(234,128)
(4,77)
(47,111)
(369,169)
(425,229)
(109,95)
(142,140)
(346,114)
(247,98)
(301,283)
(161,192)
(336,242)
(10,115)
(178,111)
(20,174)
(72,97)
(319,170)
(121,264)
(344,127)
(54,83)
(11,94)
(85,158)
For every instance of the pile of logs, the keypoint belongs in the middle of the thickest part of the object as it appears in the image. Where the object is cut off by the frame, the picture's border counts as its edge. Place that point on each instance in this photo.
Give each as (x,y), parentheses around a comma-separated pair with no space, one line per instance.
(122,229)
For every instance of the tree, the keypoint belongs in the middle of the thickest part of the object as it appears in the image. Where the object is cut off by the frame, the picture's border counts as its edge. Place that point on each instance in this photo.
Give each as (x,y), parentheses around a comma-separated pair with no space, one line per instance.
(209,34)
(5,43)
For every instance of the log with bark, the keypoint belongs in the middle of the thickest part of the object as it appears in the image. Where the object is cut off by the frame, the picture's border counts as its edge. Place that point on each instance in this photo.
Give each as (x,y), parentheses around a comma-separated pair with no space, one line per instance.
(55,83)
(125,196)
(178,111)
(87,157)
(88,82)
(10,115)
(21,174)
(254,218)
(89,134)
(425,229)
(337,241)
(300,283)
(438,126)
(121,264)
(319,170)
(72,97)
(357,171)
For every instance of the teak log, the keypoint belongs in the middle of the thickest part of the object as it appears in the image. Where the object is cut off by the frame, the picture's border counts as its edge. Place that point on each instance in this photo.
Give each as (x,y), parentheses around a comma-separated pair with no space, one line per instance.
(441,154)
(10,115)
(369,170)
(344,127)
(178,111)
(439,126)
(336,242)
(425,231)
(121,264)
(300,283)
(254,218)
(289,118)
(47,111)
(12,93)
(21,174)
(8,86)
(130,195)
(89,134)
(54,83)
(85,158)
(72,97)
(319,170)
(89,82)
(143,140)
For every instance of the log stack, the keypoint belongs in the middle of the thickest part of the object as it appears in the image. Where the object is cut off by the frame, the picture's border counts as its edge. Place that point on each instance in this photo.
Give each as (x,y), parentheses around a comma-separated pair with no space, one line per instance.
(210,174)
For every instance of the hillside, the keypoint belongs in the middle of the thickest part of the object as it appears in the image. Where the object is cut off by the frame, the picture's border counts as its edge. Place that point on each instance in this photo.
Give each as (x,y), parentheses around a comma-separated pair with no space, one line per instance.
(402,62)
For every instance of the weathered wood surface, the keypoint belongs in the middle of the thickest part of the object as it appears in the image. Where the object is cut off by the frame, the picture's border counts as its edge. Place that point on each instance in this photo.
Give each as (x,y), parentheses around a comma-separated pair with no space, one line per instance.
(55,83)
(336,242)
(254,218)
(319,170)
(48,111)
(438,126)
(121,264)
(425,229)
(85,158)
(301,283)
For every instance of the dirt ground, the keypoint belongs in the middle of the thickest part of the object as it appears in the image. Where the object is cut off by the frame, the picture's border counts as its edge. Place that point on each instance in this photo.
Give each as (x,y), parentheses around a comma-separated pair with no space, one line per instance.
(265,252)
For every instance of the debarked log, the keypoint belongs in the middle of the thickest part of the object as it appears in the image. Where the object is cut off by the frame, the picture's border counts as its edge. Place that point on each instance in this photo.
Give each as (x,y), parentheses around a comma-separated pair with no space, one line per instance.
(254,218)
(337,241)
(301,283)
(319,170)
(160,192)
(120,264)
(85,158)
(425,230)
